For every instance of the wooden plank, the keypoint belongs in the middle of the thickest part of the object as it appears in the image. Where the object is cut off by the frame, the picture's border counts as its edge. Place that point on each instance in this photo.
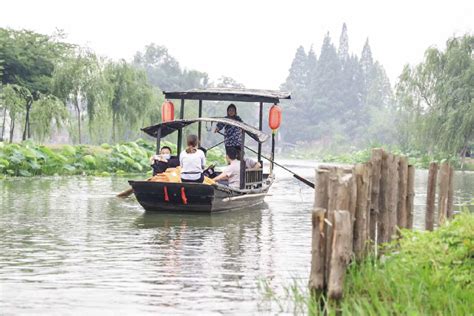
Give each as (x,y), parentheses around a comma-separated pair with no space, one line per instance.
(333,183)
(402,192)
(431,195)
(443,188)
(341,253)
(410,196)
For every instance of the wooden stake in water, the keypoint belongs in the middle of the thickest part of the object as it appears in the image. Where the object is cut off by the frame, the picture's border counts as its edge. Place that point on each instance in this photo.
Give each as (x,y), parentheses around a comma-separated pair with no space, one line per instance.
(430,196)
(443,188)
(410,196)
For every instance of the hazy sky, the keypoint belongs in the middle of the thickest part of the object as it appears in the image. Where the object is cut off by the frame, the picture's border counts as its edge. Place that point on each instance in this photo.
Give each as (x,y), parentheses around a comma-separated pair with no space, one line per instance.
(251,41)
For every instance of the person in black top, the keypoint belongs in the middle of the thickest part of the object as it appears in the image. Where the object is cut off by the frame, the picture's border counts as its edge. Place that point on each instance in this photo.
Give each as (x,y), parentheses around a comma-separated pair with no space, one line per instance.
(163,161)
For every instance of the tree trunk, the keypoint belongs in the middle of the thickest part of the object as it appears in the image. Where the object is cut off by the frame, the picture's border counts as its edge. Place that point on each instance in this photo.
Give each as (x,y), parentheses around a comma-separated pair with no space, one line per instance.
(430,196)
(27,120)
(4,121)
(12,130)
(78,110)
(113,127)
(341,253)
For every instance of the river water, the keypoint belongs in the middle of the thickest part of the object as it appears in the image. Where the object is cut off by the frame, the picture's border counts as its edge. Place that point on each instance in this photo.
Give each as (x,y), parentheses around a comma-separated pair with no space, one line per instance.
(69,246)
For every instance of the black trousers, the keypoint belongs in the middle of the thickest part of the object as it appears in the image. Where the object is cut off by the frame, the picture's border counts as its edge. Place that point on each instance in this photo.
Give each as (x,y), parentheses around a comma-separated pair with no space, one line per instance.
(200,180)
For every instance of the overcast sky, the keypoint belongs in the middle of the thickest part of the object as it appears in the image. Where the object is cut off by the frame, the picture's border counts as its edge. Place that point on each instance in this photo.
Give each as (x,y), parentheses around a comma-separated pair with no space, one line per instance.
(252,41)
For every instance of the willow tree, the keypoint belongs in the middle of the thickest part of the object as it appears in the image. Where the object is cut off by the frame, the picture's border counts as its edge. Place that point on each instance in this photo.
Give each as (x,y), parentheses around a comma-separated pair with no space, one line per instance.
(437,97)
(13,101)
(131,95)
(78,80)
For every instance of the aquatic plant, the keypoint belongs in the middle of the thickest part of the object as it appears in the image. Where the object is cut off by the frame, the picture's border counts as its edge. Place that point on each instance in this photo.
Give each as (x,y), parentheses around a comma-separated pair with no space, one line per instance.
(29,159)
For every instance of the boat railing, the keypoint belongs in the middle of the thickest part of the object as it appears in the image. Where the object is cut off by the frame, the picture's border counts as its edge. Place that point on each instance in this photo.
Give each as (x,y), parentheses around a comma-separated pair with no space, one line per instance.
(253,178)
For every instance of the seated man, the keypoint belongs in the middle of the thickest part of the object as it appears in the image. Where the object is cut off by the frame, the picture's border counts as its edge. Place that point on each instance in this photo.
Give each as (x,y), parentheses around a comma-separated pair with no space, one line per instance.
(250,164)
(232,171)
(164,160)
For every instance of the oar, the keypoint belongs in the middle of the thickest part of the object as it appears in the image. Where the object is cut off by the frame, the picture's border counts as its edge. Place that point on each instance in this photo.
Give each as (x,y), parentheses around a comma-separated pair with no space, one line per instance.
(305,181)
(129,191)
(215,145)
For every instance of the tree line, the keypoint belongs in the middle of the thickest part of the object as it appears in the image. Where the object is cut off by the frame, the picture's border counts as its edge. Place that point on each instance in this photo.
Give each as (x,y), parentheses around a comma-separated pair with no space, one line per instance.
(345,100)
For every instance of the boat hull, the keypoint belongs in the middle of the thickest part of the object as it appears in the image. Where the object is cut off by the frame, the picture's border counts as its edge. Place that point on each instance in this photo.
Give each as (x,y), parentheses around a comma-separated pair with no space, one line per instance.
(193,197)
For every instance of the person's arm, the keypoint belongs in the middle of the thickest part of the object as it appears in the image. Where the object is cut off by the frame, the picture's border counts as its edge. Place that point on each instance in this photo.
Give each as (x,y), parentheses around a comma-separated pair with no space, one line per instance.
(256,165)
(219,126)
(222,176)
(203,160)
(181,159)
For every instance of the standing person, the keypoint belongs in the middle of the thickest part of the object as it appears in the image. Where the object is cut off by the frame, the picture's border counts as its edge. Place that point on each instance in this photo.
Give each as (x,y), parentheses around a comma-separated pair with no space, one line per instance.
(232,171)
(192,161)
(232,134)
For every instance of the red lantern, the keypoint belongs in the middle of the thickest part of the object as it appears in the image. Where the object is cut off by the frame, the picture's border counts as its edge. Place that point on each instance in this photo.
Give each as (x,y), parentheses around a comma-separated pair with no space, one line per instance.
(167,111)
(274,118)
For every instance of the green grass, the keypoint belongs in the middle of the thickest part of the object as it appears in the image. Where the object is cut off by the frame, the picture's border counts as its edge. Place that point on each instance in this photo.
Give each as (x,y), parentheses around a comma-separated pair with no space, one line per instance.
(29,159)
(424,273)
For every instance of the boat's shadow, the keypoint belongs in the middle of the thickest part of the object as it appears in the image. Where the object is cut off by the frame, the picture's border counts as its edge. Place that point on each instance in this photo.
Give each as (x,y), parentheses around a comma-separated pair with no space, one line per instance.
(194,219)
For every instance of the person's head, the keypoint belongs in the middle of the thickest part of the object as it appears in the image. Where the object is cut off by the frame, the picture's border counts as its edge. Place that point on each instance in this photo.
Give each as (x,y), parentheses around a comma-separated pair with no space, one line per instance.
(231,154)
(231,110)
(192,142)
(165,151)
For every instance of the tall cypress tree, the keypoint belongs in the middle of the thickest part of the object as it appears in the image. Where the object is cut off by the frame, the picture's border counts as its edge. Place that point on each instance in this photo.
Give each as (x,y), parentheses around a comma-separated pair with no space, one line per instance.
(343,50)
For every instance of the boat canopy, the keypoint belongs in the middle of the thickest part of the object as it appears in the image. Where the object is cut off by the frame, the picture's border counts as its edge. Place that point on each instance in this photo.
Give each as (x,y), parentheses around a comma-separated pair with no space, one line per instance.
(176,125)
(229,94)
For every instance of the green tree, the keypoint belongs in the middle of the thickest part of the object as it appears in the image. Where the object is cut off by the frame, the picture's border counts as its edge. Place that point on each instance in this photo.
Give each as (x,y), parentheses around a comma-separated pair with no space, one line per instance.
(29,60)
(78,80)
(436,98)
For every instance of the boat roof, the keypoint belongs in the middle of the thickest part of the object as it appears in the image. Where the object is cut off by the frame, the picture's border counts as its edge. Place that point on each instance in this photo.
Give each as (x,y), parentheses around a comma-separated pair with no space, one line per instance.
(229,94)
(173,126)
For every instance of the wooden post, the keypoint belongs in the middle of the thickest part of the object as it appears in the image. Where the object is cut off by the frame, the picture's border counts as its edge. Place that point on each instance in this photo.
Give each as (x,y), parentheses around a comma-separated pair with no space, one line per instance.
(317,279)
(360,224)
(410,196)
(341,253)
(333,183)
(317,283)
(443,183)
(393,196)
(449,210)
(430,196)
(402,192)
(376,161)
(383,216)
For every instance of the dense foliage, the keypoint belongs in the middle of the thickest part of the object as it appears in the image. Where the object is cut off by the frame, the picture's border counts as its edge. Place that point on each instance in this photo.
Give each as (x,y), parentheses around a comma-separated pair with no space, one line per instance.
(436,100)
(337,98)
(29,159)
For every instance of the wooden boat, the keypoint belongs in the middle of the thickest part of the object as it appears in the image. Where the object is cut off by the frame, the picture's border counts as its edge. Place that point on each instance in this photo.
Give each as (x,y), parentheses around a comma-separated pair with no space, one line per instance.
(197,197)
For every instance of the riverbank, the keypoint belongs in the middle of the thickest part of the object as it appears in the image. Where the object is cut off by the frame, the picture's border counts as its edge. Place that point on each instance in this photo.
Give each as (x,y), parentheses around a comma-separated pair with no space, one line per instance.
(419,160)
(425,273)
(29,159)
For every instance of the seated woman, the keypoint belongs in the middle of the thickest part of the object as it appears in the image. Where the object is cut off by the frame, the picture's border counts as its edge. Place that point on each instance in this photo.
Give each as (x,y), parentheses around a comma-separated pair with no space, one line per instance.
(164,160)
(232,171)
(192,162)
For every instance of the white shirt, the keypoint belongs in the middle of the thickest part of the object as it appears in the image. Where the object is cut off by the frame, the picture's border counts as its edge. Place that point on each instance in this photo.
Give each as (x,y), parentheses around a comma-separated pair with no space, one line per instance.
(192,165)
(233,172)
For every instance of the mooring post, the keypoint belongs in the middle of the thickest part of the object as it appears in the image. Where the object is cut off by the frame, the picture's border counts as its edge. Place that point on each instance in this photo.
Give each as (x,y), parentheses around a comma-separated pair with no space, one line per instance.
(361,172)
(450,201)
(402,192)
(410,195)
(383,218)
(376,166)
(430,196)
(443,183)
